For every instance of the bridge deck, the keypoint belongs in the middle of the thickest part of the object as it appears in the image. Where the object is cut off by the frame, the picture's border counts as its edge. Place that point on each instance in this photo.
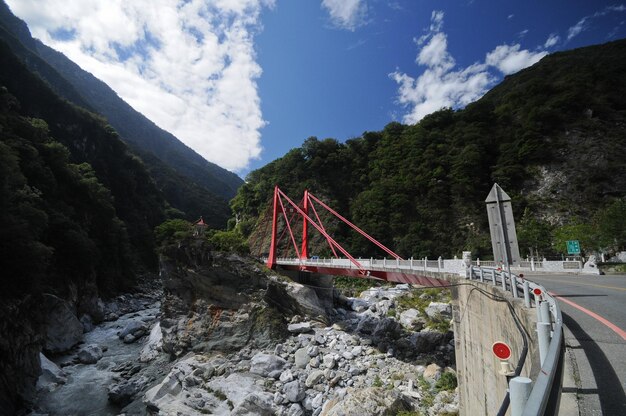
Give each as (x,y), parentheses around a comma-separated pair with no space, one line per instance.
(394,272)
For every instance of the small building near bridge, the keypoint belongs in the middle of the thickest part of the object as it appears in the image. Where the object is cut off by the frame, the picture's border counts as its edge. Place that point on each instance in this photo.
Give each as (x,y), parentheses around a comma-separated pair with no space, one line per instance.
(199,228)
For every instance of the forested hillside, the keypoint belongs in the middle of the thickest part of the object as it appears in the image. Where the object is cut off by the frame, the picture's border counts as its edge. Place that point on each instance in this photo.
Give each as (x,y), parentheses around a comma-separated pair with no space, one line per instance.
(76,205)
(553,136)
(189,183)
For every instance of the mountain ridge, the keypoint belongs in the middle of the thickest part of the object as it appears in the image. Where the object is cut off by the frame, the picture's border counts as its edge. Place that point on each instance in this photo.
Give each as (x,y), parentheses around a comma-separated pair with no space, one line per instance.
(551,135)
(200,187)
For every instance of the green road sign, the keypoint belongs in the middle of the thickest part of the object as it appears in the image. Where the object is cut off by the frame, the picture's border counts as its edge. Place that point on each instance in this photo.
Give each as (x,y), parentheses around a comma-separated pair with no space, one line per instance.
(573,247)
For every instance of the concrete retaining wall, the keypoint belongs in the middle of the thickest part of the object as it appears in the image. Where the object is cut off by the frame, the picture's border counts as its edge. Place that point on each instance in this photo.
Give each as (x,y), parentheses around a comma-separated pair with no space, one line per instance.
(479,322)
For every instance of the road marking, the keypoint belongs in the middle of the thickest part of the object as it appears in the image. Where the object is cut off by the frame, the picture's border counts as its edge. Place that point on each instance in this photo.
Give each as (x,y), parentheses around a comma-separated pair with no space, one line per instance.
(594,315)
(586,284)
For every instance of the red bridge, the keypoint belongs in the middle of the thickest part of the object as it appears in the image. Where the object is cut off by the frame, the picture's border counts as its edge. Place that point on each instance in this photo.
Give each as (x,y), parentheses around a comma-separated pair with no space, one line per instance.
(395,270)
(495,315)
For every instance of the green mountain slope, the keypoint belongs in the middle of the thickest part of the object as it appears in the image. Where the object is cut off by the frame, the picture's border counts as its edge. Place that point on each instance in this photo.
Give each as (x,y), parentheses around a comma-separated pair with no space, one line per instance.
(141,132)
(553,136)
(189,182)
(135,199)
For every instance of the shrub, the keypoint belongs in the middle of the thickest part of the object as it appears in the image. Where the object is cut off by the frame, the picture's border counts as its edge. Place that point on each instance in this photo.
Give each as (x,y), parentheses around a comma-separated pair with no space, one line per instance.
(447,382)
(172,230)
(231,241)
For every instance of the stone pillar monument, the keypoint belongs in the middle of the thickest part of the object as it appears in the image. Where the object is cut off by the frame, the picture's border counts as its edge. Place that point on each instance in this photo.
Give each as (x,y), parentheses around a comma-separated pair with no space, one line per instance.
(502,227)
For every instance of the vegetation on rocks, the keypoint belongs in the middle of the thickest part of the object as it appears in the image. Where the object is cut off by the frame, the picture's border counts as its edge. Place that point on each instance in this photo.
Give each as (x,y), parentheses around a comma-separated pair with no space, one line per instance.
(175,231)
(420,299)
(447,382)
(230,241)
(353,286)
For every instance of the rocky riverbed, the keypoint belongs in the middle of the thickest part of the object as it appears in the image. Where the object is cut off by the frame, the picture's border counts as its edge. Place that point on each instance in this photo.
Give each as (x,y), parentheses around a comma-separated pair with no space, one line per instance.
(228,337)
(89,378)
(338,369)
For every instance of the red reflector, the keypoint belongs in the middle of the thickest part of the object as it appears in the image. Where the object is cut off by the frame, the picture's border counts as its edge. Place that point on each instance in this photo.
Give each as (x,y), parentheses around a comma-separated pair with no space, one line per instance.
(501,350)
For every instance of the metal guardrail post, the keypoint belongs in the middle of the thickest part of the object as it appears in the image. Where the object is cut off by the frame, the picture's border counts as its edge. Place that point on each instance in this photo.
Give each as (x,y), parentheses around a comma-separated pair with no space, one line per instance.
(547,387)
(544,326)
(513,280)
(519,388)
(526,294)
(493,276)
(543,338)
(482,274)
(503,277)
(544,310)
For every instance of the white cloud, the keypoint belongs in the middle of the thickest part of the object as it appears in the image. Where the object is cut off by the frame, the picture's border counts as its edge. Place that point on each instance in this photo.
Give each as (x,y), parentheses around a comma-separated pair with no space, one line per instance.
(584,23)
(509,58)
(577,28)
(346,14)
(188,66)
(435,53)
(552,40)
(439,85)
(436,21)
(436,89)
(394,5)
(442,84)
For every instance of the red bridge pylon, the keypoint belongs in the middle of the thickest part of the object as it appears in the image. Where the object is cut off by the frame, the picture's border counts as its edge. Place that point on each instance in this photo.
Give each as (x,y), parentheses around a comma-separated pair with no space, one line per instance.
(308,206)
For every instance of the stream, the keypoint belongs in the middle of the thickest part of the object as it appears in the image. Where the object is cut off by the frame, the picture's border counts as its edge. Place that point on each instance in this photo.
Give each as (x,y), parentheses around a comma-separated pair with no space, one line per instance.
(86,389)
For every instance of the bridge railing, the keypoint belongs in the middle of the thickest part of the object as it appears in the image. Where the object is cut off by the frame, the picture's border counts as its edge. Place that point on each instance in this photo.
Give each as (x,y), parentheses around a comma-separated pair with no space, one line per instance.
(544,395)
(455,266)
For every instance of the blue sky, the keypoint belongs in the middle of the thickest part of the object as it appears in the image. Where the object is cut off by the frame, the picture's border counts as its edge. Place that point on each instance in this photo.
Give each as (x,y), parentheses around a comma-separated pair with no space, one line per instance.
(244,81)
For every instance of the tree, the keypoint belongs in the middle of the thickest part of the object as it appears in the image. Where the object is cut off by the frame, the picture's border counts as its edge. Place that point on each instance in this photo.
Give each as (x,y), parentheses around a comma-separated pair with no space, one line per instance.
(230,241)
(611,225)
(534,235)
(171,230)
(584,232)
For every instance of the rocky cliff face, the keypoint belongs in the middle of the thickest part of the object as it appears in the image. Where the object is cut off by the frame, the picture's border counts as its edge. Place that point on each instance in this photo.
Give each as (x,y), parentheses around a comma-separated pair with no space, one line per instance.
(21,337)
(215,301)
(33,324)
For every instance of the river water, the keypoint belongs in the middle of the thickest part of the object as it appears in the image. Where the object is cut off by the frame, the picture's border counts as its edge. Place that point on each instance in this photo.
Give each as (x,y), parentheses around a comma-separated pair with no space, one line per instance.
(85,392)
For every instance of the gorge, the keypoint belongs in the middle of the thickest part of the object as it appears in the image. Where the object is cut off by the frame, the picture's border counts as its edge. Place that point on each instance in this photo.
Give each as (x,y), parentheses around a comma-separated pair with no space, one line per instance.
(231,337)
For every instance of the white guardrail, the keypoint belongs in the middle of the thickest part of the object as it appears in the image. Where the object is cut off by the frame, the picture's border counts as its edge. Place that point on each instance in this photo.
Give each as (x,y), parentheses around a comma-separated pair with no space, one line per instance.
(527,397)
(451,265)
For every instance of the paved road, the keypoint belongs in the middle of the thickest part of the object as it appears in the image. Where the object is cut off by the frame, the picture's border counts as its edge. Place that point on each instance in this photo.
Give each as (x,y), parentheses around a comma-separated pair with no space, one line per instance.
(599,351)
